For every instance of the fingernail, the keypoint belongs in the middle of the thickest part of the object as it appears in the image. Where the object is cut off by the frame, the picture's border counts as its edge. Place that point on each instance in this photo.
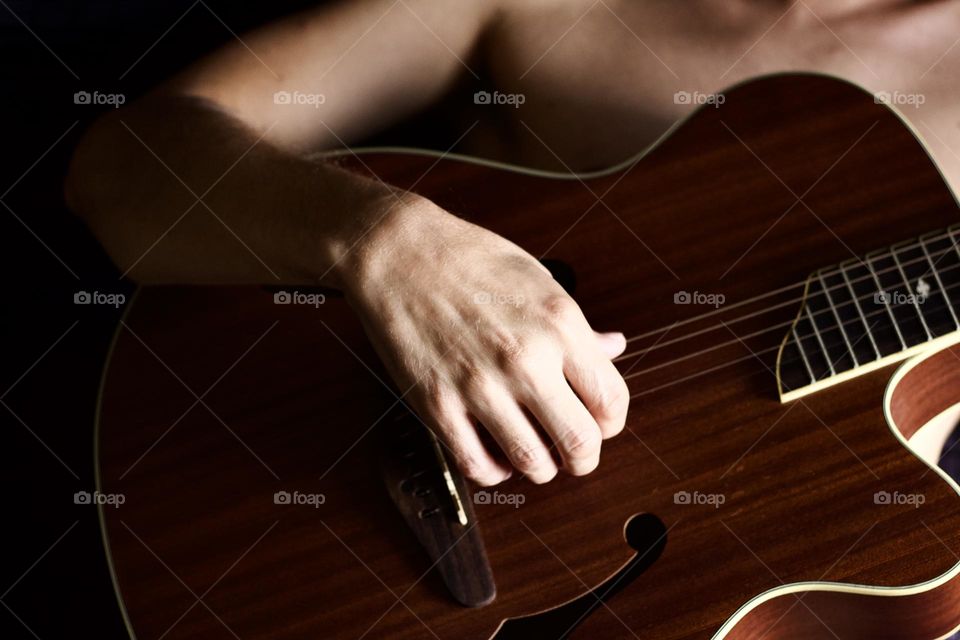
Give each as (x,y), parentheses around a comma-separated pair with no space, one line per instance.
(613,343)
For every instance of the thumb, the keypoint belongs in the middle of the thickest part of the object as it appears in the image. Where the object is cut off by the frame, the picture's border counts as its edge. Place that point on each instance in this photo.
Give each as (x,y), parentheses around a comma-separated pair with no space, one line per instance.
(612,343)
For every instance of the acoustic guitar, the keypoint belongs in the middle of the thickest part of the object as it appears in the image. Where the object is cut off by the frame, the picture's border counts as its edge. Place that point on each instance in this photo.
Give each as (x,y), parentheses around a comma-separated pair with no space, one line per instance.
(785,266)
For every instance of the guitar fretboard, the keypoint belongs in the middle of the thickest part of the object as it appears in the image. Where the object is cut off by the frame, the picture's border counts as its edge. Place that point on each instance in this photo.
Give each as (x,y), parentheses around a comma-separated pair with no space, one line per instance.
(869,312)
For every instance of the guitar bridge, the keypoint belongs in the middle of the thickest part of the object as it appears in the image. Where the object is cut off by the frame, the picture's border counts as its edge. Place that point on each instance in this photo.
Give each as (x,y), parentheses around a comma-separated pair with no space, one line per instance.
(429,493)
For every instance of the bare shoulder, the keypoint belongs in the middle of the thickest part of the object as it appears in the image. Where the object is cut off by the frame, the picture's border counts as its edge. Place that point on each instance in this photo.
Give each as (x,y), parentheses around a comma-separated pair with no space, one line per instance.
(519,12)
(523,26)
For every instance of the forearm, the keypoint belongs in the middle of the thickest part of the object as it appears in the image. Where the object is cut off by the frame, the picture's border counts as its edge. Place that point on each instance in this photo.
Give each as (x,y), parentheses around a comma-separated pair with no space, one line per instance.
(178,191)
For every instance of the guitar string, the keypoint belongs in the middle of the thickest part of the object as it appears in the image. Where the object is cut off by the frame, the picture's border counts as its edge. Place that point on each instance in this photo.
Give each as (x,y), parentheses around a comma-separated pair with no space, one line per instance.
(782,325)
(812,296)
(750,356)
(761,352)
(944,235)
(776,347)
(767,350)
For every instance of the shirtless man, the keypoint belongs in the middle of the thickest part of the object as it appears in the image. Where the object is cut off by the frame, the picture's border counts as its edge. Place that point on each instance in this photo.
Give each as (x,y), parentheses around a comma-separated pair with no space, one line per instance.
(599,80)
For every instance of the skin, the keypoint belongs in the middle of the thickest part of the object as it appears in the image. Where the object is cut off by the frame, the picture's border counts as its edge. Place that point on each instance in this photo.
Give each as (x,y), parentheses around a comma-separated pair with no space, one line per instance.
(217,169)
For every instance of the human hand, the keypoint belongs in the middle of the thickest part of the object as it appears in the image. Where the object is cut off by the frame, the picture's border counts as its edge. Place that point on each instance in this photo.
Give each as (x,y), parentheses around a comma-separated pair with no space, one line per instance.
(490,351)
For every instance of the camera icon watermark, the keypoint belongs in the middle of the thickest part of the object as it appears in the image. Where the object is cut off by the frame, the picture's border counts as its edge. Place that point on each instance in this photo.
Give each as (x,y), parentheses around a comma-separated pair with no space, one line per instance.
(495,298)
(715,500)
(699,98)
(299,98)
(109,499)
(495,497)
(298,297)
(714,300)
(897,298)
(897,498)
(115,300)
(900,98)
(96,98)
(512,99)
(296,498)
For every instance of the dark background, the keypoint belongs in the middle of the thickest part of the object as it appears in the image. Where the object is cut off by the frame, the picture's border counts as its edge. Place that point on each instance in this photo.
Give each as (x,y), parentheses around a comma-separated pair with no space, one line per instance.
(54,581)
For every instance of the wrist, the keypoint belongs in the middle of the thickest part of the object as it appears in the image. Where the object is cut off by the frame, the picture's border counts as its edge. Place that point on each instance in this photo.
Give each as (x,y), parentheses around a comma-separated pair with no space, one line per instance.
(335,221)
(387,226)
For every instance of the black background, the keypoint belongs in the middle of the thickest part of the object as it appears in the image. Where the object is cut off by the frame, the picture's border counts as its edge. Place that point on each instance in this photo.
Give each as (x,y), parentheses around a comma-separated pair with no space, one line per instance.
(54,580)
(50,588)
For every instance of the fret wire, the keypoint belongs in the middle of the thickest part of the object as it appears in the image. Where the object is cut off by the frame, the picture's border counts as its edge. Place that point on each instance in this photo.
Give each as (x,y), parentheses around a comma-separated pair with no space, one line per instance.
(871,314)
(952,240)
(811,335)
(782,325)
(816,332)
(947,233)
(843,331)
(803,355)
(875,274)
(886,303)
(937,235)
(848,282)
(906,282)
(779,305)
(787,325)
(863,318)
(758,353)
(943,290)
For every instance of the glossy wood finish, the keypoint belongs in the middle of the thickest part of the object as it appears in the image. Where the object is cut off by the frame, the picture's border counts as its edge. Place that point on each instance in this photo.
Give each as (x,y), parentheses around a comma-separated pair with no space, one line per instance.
(713,210)
(415,475)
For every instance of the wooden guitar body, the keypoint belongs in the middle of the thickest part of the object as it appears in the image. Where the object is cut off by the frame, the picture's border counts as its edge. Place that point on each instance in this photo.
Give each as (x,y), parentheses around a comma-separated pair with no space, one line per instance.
(215,399)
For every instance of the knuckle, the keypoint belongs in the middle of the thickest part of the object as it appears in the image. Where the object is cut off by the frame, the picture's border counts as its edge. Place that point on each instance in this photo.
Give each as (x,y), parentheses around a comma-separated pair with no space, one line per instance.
(613,399)
(438,397)
(560,308)
(511,352)
(581,444)
(474,379)
(526,457)
(538,359)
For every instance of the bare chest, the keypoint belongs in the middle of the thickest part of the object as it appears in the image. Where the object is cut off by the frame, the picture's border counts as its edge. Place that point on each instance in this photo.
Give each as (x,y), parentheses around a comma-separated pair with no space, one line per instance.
(601,81)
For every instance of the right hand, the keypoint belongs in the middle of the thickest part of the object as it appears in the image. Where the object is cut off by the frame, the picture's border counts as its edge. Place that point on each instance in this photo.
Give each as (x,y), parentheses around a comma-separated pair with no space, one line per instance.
(492,353)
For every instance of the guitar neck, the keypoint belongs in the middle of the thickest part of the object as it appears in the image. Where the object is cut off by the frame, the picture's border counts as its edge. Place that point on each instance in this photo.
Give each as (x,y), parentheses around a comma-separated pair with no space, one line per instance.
(872,311)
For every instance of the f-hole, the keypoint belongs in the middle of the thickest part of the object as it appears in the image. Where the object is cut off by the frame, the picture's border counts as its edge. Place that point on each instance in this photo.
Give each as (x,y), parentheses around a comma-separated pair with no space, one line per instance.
(646,534)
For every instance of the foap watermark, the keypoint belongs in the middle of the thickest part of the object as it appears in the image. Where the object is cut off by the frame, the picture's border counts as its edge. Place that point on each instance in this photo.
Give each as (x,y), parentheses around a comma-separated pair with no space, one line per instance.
(900,98)
(699,98)
(115,300)
(296,498)
(299,297)
(898,298)
(508,299)
(897,498)
(512,99)
(97,98)
(696,498)
(109,499)
(495,497)
(714,300)
(299,98)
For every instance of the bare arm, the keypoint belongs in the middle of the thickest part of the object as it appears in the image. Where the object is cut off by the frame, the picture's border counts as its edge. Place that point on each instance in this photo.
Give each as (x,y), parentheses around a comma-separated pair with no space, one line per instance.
(217,130)
(268,213)
(370,62)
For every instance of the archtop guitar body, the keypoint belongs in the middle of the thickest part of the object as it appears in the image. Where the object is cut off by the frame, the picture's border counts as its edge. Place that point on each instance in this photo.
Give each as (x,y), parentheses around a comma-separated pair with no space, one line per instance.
(771,448)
